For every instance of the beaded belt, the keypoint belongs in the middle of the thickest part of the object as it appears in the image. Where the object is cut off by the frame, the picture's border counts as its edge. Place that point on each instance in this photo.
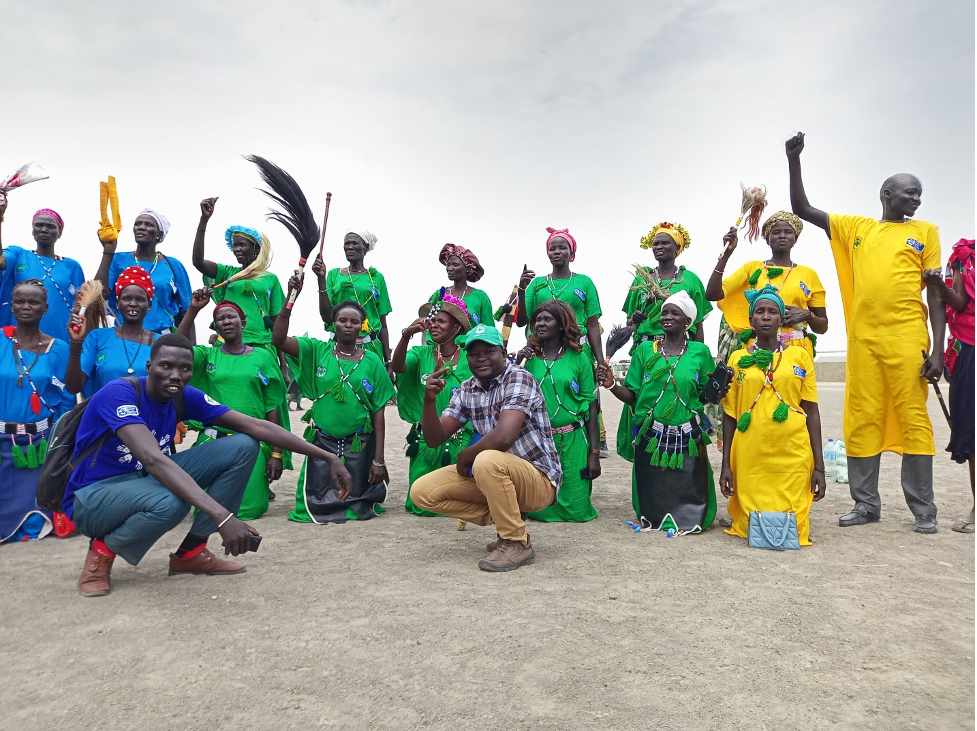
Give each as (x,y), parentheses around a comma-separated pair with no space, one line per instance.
(568,428)
(793,335)
(36,428)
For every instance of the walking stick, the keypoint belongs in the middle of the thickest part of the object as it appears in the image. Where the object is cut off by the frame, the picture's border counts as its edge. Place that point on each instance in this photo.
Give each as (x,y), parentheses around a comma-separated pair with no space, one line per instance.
(939,396)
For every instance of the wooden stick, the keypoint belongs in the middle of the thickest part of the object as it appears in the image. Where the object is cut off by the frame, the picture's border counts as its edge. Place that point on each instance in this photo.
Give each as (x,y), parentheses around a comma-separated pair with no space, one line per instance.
(325,220)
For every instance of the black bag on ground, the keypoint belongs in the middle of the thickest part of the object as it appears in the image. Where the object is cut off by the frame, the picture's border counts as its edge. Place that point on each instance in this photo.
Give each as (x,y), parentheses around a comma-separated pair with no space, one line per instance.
(57,467)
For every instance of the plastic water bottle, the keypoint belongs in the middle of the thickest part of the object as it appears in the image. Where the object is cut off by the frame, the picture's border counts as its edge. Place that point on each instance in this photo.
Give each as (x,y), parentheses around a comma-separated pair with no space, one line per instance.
(830,460)
(841,467)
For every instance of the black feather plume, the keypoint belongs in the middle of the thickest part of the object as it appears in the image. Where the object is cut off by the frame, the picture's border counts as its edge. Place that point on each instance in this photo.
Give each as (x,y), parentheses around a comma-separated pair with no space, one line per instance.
(618,336)
(295,215)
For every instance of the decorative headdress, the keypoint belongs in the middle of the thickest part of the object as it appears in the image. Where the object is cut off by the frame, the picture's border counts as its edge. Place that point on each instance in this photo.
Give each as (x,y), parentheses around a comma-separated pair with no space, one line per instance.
(472,267)
(253,235)
(450,304)
(789,218)
(137,276)
(754,296)
(676,230)
(562,234)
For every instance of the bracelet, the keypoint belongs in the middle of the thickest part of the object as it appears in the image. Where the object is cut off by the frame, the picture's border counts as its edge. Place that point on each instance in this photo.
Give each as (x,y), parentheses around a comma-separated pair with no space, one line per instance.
(73,351)
(378,464)
(221,524)
(595,451)
(277,455)
(522,289)
(323,291)
(719,271)
(201,230)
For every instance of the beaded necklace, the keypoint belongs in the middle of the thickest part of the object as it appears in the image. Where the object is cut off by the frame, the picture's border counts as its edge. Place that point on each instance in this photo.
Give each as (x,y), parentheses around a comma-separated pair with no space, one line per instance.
(47,275)
(25,370)
(763,359)
(374,292)
(553,290)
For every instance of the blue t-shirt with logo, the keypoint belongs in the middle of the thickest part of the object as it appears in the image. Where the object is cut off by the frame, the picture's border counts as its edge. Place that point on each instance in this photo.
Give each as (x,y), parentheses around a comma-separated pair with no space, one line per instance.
(105,356)
(62,277)
(171,285)
(115,406)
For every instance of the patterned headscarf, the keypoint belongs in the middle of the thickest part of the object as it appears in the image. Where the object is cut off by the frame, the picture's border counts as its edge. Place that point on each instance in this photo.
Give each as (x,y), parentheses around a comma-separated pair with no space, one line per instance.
(472,267)
(562,234)
(252,235)
(53,214)
(137,276)
(368,238)
(676,230)
(233,305)
(789,218)
(753,296)
(161,221)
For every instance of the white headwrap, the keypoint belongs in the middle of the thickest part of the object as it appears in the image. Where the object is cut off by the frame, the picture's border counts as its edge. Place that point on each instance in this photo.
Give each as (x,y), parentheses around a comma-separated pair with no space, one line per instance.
(161,221)
(369,239)
(682,300)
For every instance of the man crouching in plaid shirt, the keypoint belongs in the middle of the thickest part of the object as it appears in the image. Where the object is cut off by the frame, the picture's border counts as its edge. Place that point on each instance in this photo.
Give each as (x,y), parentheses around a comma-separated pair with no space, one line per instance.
(511,466)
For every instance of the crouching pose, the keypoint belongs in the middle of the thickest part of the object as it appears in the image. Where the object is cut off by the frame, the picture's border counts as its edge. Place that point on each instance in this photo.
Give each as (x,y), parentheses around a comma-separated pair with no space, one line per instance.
(125,492)
(511,466)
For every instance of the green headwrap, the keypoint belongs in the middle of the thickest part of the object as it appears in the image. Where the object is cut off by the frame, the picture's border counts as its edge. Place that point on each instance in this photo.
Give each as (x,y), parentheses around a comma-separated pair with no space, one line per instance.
(767,293)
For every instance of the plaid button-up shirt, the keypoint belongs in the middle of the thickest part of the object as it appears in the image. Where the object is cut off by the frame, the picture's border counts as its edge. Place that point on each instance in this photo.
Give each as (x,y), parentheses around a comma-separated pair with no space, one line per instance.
(516,389)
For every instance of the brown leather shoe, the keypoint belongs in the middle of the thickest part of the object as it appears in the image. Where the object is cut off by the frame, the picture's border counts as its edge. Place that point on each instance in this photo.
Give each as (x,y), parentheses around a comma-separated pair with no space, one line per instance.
(95,578)
(494,544)
(204,563)
(509,556)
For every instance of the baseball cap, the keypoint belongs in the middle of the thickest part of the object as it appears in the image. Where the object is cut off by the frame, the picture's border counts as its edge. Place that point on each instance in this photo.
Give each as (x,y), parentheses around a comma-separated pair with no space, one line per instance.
(483,333)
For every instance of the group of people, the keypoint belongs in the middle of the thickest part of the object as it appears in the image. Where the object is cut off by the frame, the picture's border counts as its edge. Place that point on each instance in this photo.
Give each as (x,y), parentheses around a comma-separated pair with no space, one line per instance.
(493,439)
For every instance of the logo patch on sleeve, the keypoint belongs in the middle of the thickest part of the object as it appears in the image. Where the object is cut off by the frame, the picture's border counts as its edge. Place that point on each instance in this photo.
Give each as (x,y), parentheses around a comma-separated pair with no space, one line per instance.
(367,385)
(262,377)
(917,246)
(127,410)
(574,385)
(580,293)
(805,289)
(211,401)
(798,371)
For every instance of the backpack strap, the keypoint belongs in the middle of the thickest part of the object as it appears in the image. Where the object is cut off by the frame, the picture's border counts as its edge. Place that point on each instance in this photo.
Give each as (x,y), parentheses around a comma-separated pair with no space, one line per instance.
(94,449)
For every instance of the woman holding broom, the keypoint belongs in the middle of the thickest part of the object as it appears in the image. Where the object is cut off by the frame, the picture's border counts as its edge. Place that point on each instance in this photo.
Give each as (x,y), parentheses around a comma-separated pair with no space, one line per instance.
(444,320)
(364,285)
(349,387)
(566,375)
(245,378)
(672,483)
(772,460)
(32,397)
(106,353)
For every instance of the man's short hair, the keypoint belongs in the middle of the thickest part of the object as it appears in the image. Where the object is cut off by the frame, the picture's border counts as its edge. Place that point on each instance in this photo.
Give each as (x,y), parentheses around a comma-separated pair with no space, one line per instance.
(170,340)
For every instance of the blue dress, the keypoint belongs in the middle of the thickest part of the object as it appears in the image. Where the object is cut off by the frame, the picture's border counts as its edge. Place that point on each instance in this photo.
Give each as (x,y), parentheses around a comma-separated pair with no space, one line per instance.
(105,356)
(20,518)
(170,281)
(62,278)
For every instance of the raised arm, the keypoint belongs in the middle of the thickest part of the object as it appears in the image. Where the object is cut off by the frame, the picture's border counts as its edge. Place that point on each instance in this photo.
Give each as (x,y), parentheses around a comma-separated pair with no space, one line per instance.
(204,266)
(75,378)
(279,333)
(714,287)
(527,276)
(198,301)
(325,304)
(798,197)
(398,361)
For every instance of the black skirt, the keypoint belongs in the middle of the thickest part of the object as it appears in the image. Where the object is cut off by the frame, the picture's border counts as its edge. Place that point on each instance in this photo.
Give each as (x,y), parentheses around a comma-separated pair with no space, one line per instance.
(961,445)
(686,494)
(322,496)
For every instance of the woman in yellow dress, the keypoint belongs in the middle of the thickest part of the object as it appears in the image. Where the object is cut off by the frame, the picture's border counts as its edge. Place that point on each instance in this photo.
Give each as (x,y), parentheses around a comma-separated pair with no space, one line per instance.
(773,459)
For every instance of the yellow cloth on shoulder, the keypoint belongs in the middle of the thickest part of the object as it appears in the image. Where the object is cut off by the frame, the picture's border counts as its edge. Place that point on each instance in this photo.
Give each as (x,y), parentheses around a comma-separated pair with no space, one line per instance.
(772,461)
(880,273)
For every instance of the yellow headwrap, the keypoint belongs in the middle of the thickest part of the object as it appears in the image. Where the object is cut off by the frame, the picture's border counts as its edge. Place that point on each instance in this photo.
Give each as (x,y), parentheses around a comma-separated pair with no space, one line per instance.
(676,230)
(789,218)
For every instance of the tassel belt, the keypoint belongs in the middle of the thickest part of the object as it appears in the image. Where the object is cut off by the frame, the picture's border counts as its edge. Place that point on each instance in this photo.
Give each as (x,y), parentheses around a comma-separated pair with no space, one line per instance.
(35,428)
(568,428)
(793,335)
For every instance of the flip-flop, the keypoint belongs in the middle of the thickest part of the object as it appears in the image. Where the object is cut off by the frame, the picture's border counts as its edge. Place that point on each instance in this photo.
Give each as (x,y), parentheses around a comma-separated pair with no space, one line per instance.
(963,526)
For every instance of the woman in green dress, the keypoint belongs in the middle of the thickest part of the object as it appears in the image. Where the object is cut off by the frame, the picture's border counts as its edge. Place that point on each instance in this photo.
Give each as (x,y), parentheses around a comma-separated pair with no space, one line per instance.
(365,285)
(649,290)
(672,486)
(566,375)
(443,321)
(349,387)
(247,379)
(463,270)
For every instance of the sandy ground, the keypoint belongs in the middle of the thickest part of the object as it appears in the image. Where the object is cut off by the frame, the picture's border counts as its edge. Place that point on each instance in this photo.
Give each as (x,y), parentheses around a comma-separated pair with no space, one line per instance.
(388,624)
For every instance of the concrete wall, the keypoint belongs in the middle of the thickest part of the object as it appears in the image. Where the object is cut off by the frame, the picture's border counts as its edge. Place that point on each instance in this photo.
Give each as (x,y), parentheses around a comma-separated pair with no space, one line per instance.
(829,371)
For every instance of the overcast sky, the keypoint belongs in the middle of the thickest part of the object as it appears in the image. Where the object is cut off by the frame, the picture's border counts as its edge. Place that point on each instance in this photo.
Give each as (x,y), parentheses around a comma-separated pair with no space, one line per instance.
(484,123)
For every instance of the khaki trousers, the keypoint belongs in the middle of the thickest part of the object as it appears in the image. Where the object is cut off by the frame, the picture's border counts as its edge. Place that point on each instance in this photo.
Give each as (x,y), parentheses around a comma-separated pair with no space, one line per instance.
(504,485)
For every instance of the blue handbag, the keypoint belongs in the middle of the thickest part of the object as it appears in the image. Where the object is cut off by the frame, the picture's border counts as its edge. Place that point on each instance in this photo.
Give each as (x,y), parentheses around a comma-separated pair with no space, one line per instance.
(775,531)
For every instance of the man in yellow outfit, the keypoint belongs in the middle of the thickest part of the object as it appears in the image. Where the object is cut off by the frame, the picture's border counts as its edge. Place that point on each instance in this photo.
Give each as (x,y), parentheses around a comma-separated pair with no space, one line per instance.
(880,272)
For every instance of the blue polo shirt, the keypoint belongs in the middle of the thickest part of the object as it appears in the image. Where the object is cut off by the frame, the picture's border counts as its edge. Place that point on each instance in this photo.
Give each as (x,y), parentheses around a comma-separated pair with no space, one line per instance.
(115,406)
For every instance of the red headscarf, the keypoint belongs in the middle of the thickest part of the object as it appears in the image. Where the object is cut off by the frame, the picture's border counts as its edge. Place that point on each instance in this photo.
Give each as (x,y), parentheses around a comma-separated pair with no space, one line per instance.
(233,305)
(53,214)
(564,234)
(137,276)
(473,269)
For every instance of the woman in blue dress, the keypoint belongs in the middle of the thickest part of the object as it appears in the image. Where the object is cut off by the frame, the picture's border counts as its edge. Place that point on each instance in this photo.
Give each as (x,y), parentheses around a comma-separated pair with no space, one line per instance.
(32,397)
(61,276)
(107,353)
(171,285)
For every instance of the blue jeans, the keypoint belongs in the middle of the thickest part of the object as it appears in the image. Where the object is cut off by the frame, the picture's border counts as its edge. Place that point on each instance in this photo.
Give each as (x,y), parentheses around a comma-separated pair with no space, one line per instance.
(131,512)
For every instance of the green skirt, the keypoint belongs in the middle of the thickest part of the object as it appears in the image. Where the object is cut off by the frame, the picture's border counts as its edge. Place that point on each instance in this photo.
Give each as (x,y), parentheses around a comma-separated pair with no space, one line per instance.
(573,500)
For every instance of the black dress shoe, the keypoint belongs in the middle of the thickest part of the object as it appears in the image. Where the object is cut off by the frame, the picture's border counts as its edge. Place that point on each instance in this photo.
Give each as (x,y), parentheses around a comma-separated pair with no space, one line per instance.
(857,517)
(925,524)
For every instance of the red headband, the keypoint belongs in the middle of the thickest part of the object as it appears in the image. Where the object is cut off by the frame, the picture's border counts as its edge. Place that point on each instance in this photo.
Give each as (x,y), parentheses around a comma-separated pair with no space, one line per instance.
(53,214)
(137,276)
(564,234)
(232,305)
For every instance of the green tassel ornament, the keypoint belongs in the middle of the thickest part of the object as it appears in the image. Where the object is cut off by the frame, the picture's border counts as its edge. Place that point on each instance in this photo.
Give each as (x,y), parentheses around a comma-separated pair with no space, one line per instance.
(309,434)
(356,446)
(655,458)
(774,272)
(41,451)
(660,372)
(445,457)
(338,392)
(499,313)
(693,449)
(743,423)
(652,359)
(781,412)
(669,411)
(680,461)
(746,336)
(754,278)
(763,358)
(652,445)
(20,461)
(31,456)
(307,416)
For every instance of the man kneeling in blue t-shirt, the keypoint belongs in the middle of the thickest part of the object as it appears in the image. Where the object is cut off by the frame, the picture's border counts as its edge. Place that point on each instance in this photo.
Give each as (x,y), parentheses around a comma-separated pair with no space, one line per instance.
(129,492)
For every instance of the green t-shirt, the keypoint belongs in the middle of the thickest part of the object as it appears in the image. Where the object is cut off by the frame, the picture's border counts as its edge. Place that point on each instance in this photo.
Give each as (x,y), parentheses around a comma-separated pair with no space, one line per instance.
(369,288)
(258,297)
(410,384)
(693,370)
(251,383)
(367,387)
(578,291)
(637,299)
(567,385)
